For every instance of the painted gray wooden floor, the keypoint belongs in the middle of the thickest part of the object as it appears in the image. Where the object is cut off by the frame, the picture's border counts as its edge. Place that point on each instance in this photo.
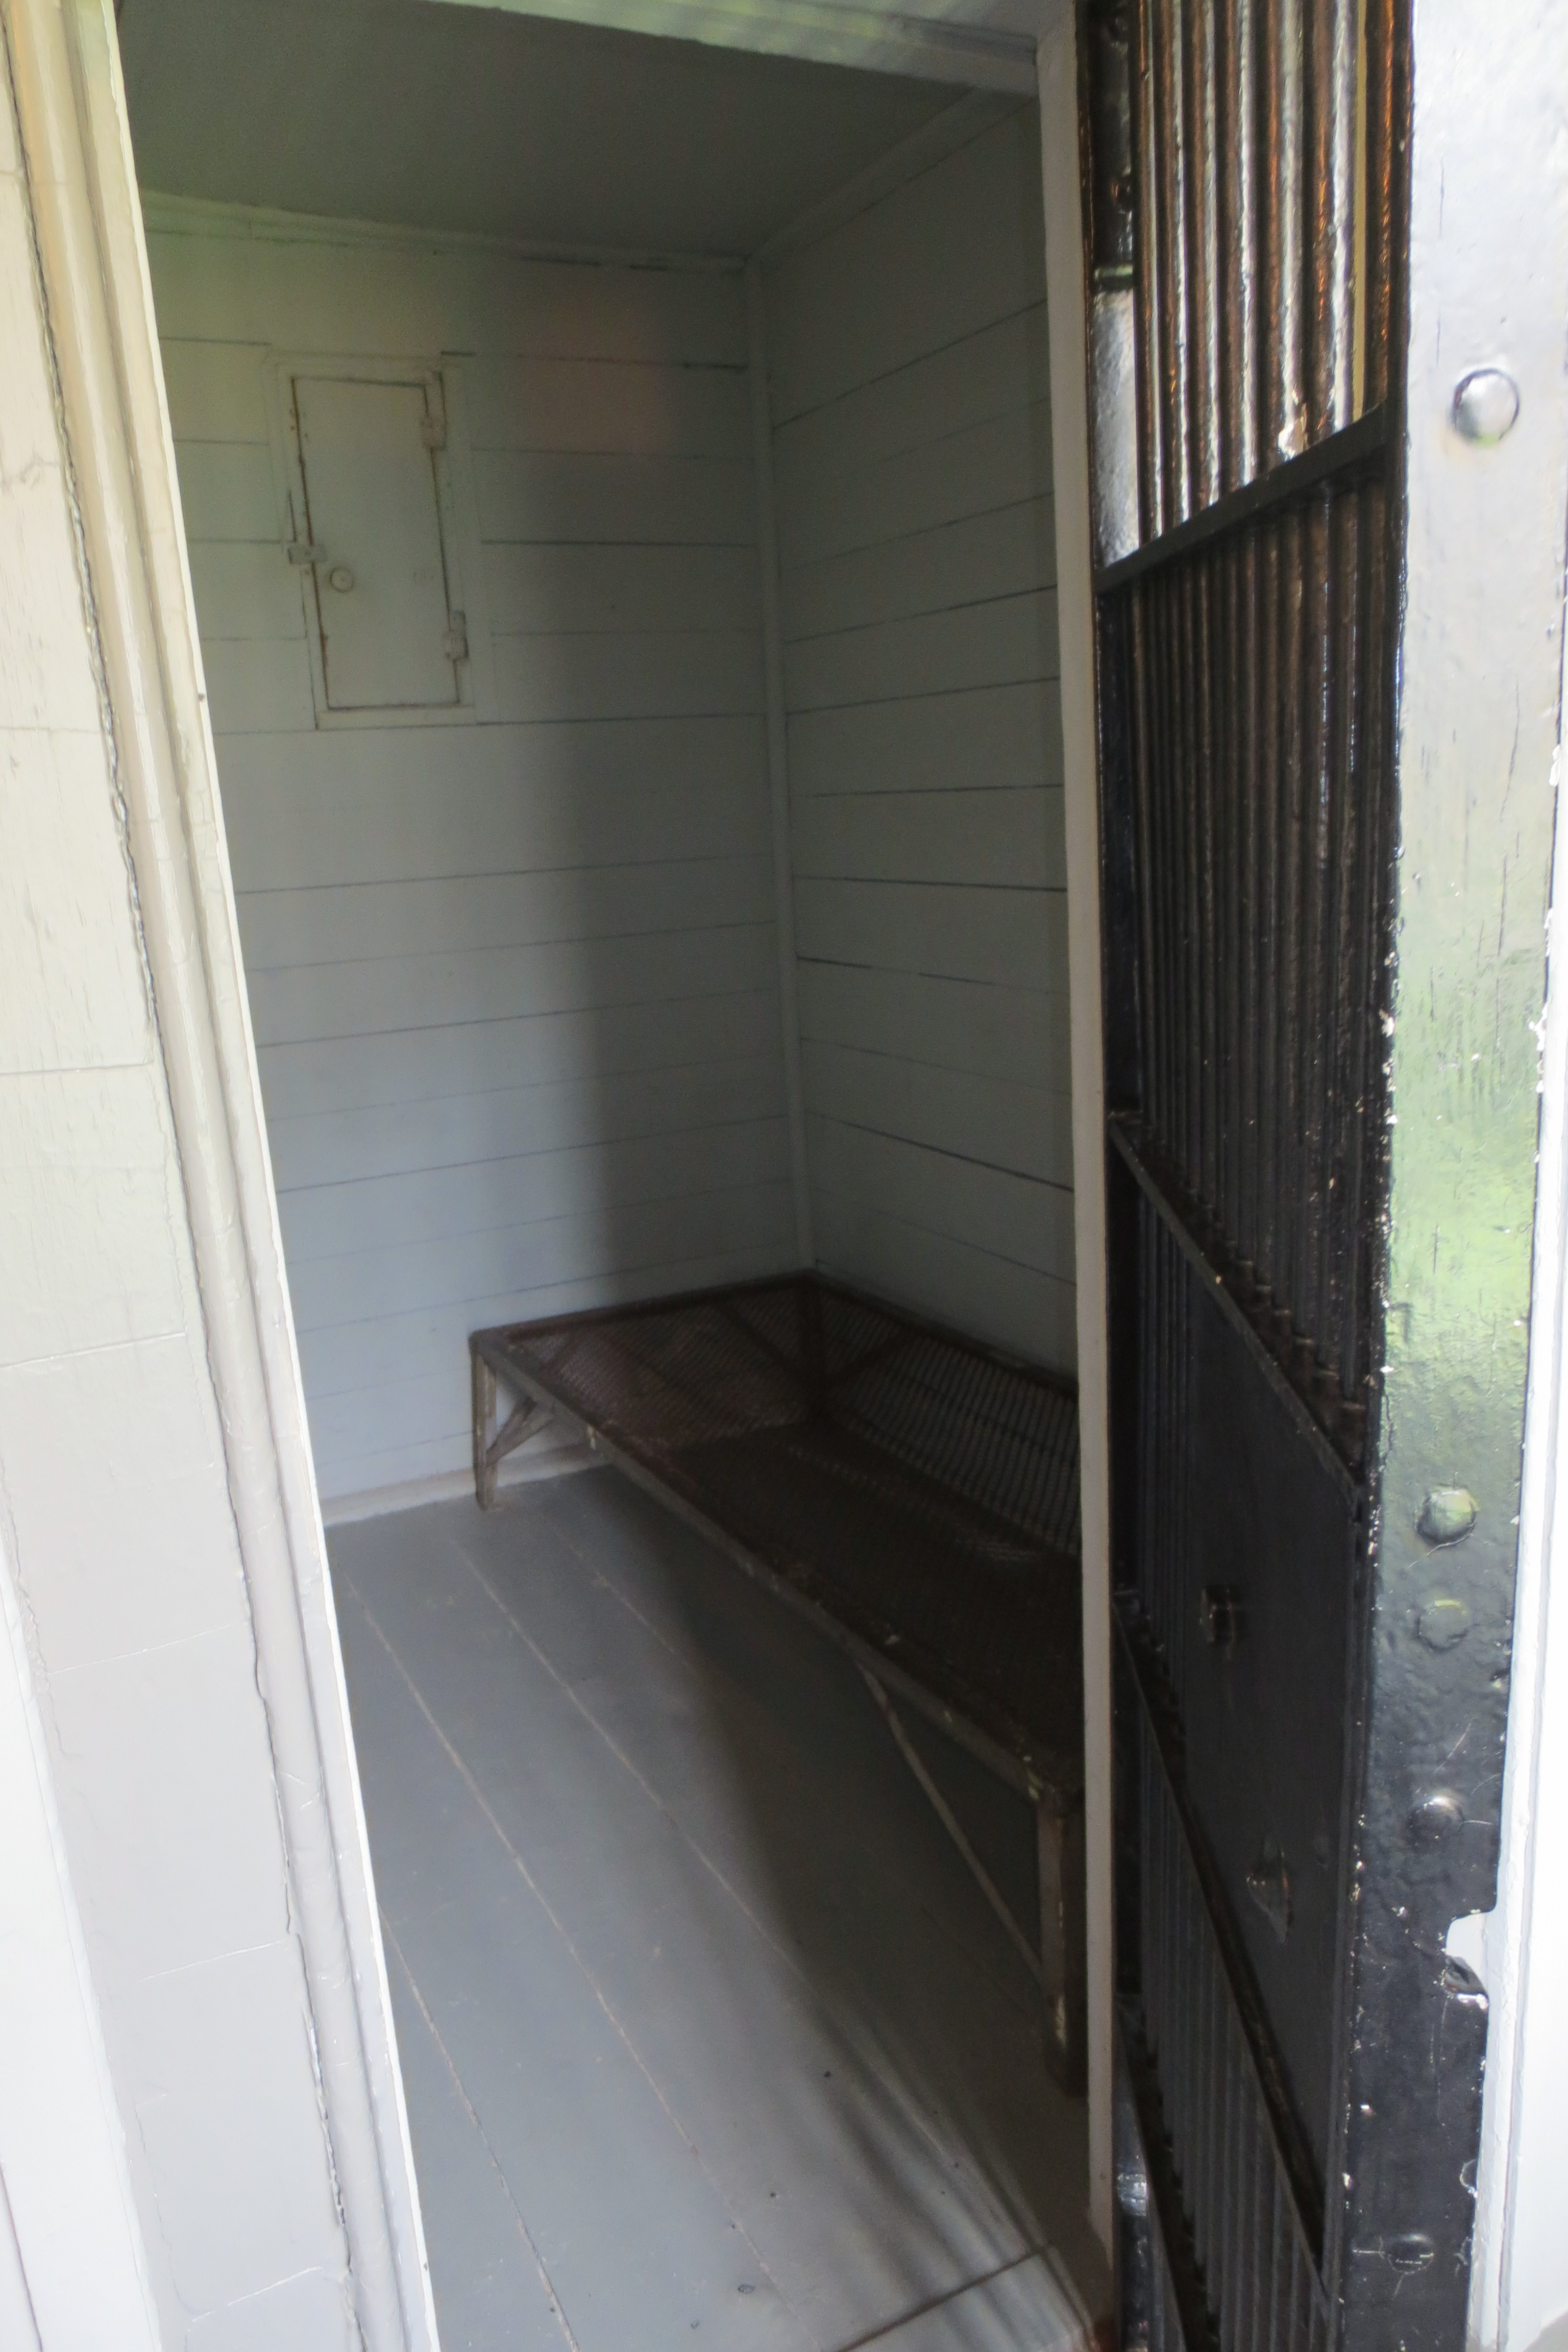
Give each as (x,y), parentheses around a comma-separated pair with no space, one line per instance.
(707,2033)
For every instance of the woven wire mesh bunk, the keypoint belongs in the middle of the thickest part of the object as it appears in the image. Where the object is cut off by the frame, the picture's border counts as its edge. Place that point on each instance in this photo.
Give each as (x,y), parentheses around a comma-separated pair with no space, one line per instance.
(915,1494)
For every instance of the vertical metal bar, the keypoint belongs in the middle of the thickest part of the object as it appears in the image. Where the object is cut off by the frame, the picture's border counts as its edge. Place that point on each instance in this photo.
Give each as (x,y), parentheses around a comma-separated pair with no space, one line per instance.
(1228,688)
(1147,238)
(1275,2339)
(1152,1073)
(1267,799)
(1378,195)
(1190,699)
(1245,670)
(1162,797)
(1149,1429)
(1315,1029)
(1237,208)
(1200,97)
(1223,2263)
(1233,2302)
(1175,682)
(1170,38)
(1182,1281)
(1283,429)
(1348,964)
(1159,1605)
(1207,928)
(1166,605)
(1288,1165)
(1214,2142)
(1331,111)
(1194,2168)
(1371,790)
(1182,2051)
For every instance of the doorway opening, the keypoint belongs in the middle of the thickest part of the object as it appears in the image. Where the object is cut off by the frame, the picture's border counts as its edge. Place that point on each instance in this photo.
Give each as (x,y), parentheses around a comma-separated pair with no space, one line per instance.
(616,483)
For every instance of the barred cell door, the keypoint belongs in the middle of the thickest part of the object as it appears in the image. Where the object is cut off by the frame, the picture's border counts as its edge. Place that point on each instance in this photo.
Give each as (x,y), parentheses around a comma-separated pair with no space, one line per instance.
(1324,872)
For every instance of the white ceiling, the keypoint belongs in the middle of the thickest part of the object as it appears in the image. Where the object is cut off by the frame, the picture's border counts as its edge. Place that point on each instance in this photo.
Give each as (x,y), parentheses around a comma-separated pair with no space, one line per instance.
(477,119)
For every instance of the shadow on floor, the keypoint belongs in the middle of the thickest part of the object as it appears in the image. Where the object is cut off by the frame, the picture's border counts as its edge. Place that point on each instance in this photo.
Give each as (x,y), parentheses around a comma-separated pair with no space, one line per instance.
(707,2036)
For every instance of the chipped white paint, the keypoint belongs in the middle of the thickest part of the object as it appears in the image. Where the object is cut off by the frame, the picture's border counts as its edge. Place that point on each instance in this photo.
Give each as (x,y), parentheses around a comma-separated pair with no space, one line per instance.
(155,1489)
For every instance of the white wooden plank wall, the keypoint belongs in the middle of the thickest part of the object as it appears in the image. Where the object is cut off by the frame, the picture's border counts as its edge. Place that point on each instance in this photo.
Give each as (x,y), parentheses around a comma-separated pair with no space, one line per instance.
(912,439)
(513,984)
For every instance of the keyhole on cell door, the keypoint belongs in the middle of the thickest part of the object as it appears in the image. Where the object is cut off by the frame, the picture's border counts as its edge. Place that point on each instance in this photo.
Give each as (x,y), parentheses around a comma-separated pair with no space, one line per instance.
(340,578)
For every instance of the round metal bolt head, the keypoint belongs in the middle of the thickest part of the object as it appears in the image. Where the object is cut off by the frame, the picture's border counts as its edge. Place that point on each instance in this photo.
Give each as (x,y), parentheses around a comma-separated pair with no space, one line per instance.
(1436,1816)
(1443,1621)
(1412,2250)
(1447,1514)
(1461,1983)
(340,578)
(1486,404)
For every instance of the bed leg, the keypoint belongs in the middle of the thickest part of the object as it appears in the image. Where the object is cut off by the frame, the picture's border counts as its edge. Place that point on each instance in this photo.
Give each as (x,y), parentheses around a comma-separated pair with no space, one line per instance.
(485,1463)
(492,1445)
(1064,1961)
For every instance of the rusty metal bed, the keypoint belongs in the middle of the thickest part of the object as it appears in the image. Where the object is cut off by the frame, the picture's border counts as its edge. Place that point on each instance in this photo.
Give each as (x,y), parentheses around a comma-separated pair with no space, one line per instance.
(914,1494)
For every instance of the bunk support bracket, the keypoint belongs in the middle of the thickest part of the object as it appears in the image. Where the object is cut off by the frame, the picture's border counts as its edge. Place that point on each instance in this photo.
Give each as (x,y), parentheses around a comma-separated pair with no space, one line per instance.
(492,1445)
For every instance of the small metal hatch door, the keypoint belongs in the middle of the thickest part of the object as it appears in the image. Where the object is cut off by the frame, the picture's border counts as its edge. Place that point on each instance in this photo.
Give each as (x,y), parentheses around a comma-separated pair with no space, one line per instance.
(375,542)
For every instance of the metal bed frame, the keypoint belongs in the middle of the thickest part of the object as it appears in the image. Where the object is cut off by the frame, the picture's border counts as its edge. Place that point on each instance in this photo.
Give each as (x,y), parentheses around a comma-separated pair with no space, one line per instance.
(911,1492)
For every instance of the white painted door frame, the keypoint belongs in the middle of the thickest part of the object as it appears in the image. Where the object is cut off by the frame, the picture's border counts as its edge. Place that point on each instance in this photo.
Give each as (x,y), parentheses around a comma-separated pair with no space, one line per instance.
(63,58)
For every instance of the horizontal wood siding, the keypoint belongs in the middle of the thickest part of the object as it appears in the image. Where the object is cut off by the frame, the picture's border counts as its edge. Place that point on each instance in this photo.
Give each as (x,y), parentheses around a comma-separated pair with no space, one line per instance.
(910,402)
(514,983)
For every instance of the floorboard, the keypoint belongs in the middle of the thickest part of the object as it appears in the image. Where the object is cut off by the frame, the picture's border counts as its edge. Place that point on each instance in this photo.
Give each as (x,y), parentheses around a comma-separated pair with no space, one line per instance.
(705,2030)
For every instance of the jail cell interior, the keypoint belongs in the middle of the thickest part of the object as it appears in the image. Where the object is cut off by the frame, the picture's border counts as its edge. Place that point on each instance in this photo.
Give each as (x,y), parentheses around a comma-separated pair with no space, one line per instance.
(617,486)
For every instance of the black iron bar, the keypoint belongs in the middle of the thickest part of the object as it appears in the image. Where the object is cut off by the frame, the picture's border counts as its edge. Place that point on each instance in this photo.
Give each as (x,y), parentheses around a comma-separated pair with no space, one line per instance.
(1246,682)
(1314,1036)
(1175,292)
(1204,780)
(1360,450)
(1331,111)
(1189,690)
(1283,432)
(1349,974)
(1152,1073)
(1288,1167)
(1377,199)
(1266,804)
(1153,504)
(1238,242)
(1200,107)
(1232,1028)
